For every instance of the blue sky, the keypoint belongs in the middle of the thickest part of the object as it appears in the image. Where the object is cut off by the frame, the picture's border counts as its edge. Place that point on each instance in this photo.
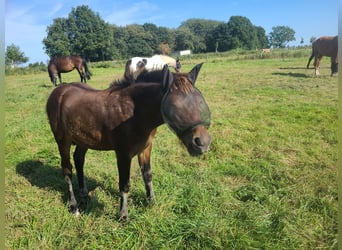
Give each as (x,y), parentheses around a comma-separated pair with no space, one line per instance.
(26,21)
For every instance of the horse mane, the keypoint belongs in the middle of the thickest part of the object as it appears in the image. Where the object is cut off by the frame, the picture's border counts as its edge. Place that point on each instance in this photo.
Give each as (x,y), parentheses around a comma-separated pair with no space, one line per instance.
(181,81)
(118,84)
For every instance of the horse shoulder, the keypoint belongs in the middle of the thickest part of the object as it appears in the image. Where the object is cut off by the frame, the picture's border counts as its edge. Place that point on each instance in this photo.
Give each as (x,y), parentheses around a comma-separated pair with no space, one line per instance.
(117,108)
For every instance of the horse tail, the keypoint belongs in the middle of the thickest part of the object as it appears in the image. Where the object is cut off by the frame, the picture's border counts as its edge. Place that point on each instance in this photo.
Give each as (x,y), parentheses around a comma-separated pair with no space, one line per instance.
(88,74)
(52,75)
(312,55)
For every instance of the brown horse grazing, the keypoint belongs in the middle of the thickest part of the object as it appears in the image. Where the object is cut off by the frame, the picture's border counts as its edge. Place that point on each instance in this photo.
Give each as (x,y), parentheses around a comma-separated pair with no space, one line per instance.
(66,64)
(325,46)
(124,118)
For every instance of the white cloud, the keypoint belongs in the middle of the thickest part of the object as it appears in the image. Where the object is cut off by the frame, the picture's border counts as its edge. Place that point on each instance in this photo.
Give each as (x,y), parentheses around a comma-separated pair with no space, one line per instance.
(56,8)
(22,30)
(139,12)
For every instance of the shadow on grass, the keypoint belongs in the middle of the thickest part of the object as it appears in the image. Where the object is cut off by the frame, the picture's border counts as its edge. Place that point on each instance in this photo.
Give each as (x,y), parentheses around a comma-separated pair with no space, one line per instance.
(291,74)
(51,178)
(293,68)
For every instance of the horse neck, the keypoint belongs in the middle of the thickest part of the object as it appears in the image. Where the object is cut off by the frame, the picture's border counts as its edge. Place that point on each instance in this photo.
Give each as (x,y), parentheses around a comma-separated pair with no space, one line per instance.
(146,99)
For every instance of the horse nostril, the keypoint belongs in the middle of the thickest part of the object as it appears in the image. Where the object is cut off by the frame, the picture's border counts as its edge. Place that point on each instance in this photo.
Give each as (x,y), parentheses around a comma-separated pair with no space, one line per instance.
(198,141)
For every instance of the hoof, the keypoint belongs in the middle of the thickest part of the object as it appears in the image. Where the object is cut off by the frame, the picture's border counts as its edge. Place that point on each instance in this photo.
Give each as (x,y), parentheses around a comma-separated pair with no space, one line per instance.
(123,218)
(83,204)
(150,201)
(75,211)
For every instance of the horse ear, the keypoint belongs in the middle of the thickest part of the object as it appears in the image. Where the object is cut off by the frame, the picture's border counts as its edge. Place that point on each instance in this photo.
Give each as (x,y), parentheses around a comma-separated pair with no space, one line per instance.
(193,73)
(167,78)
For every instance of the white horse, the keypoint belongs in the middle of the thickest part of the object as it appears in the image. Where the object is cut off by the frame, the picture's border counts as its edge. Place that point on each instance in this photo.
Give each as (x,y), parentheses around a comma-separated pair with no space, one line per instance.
(156,62)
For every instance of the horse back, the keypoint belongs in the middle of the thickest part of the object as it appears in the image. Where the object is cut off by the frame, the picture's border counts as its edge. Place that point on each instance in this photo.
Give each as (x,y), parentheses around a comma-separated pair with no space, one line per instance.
(326,46)
(65,64)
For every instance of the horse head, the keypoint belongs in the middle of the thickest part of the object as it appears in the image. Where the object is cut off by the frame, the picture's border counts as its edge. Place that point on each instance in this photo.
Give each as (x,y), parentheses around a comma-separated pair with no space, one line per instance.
(185,111)
(178,66)
(334,68)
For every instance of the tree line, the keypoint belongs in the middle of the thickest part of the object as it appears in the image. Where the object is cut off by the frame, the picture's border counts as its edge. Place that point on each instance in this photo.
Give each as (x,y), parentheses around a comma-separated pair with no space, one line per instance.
(85,33)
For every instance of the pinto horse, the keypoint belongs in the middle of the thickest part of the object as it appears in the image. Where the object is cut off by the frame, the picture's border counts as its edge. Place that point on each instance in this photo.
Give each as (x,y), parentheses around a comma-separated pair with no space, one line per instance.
(153,63)
(66,64)
(124,118)
(325,46)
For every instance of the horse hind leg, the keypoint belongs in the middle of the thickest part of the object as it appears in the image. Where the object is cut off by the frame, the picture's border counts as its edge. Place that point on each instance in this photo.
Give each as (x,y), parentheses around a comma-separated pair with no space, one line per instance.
(53,78)
(64,150)
(146,172)
(60,78)
(54,81)
(79,156)
(316,64)
(82,75)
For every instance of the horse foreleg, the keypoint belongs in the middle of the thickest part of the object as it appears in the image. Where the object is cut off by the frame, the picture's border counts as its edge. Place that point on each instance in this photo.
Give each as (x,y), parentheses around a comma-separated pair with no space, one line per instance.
(124,166)
(334,65)
(79,156)
(64,150)
(146,172)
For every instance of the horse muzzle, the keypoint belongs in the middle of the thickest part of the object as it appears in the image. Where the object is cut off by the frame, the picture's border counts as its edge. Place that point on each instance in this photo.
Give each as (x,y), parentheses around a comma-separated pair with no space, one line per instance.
(197,140)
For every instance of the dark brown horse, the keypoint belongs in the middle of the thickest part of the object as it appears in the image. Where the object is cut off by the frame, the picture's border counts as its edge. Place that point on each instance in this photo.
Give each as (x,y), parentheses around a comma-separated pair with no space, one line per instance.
(325,46)
(66,64)
(124,118)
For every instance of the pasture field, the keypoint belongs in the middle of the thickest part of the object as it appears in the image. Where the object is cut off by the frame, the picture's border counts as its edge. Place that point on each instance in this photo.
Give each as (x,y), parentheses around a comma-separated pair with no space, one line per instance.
(268,181)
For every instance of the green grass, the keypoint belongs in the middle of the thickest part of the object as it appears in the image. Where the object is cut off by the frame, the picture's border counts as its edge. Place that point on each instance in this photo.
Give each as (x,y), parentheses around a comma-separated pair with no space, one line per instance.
(268,182)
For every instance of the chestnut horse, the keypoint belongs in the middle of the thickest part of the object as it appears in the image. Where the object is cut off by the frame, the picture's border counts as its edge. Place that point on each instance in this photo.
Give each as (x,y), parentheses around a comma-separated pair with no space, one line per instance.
(66,64)
(124,118)
(325,46)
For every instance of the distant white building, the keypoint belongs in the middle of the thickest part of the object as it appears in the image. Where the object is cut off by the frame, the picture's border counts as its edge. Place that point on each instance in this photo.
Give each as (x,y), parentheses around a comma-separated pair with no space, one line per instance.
(182,53)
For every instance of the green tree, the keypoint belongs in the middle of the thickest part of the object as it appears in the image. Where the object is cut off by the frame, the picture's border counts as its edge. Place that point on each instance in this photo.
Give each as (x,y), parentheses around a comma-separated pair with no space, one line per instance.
(14,56)
(159,35)
(262,38)
(200,29)
(242,32)
(218,39)
(138,41)
(280,36)
(184,39)
(239,32)
(57,42)
(83,33)
(120,46)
